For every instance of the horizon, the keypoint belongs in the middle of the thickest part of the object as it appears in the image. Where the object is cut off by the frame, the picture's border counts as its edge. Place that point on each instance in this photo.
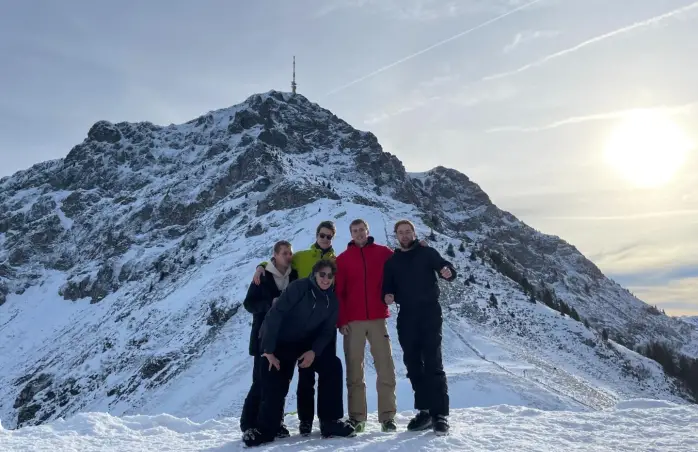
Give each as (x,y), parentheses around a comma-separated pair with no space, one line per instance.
(544,89)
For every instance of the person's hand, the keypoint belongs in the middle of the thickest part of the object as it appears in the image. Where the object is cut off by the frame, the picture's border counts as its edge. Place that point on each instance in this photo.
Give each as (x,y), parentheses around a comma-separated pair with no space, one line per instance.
(273,360)
(446,272)
(344,330)
(306,359)
(389,298)
(257,278)
(423,242)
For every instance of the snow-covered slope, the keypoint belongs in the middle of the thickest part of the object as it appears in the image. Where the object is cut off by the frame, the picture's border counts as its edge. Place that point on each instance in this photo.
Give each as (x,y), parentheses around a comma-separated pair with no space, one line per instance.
(637,425)
(123,266)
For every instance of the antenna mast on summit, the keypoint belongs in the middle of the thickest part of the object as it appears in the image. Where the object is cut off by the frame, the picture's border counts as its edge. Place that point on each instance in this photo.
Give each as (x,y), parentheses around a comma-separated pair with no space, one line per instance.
(293,82)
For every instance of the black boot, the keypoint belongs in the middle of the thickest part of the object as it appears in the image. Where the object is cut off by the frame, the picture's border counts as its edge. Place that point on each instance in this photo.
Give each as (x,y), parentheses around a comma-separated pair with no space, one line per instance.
(421,421)
(283,431)
(340,428)
(305,427)
(440,425)
(253,437)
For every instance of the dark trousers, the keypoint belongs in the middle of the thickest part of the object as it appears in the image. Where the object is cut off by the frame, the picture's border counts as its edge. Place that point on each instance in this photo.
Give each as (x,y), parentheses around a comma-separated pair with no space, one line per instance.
(420,337)
(250,409)
(275,384)
(305,392)
(253,401)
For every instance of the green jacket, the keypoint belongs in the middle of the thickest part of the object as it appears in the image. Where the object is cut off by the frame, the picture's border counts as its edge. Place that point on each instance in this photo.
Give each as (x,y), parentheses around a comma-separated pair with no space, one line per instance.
(303,261)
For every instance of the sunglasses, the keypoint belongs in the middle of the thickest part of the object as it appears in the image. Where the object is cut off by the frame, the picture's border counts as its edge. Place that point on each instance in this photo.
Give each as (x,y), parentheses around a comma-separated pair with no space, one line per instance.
(327,275)
(322,235)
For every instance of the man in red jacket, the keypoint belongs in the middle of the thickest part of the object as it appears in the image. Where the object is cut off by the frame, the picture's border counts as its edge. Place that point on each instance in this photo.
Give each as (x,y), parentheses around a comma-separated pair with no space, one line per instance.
(362,316)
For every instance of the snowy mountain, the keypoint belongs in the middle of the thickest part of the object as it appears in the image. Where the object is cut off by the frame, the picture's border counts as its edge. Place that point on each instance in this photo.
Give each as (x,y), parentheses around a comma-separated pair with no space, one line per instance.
(123,267)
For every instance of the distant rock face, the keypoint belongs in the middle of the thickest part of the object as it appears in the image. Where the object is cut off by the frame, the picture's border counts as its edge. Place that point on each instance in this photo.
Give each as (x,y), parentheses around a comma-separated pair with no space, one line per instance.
(104,131)
(123,218)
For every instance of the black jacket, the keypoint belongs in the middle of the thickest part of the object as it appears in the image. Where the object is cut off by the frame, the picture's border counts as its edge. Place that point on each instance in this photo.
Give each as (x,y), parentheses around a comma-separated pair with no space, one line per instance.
(410,275)
(303,313)
(258,301)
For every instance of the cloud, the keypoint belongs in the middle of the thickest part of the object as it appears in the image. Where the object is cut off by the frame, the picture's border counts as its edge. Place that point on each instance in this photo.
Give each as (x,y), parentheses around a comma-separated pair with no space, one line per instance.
(677,296)
(668,110)
(421,10)
(431,47)
(638,216)
(674,288)
(526,36)
(629,28)
(375,118)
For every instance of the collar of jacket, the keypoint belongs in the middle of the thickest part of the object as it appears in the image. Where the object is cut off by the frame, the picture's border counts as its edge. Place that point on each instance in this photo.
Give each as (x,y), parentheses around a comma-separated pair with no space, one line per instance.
(414,244)
(315,246)
(368,242)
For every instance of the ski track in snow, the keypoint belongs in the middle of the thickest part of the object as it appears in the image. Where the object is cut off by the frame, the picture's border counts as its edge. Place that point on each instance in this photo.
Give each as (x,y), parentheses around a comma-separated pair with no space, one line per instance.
(631,426)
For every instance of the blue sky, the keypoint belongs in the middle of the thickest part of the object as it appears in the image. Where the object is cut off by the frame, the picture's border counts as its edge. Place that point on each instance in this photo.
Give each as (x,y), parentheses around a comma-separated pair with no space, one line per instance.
(524,103)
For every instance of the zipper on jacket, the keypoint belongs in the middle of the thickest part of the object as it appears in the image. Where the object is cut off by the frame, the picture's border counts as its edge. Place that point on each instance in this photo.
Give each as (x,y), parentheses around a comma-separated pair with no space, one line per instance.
(365,283)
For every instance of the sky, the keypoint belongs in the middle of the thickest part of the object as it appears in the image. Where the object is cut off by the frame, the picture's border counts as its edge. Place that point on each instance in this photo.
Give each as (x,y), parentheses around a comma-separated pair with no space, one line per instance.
(527,98)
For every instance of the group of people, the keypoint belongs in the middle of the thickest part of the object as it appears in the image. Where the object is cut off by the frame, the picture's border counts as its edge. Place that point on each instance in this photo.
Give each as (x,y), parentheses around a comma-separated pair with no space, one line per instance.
(300,300)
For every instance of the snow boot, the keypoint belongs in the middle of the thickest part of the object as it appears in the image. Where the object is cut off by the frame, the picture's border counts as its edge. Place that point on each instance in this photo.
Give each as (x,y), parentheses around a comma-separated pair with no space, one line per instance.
(359,426)
(388,426)
(305,427)
(337,428)
(253,437)
(283,431)
(421,421)
(441,426)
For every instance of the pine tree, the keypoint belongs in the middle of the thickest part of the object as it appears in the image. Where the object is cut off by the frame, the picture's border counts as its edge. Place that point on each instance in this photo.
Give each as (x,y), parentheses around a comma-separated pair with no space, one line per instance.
(574,314)
(462,247)
(487,286)
(471,278)
(586,323)
(432,236)
(532,299)
(473,256)
(604,334)
(449,250)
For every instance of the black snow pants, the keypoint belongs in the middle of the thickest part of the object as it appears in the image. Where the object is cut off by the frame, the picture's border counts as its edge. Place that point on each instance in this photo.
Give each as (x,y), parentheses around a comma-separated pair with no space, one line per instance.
(305,392)
(275,384)
(250,409)
(419,332)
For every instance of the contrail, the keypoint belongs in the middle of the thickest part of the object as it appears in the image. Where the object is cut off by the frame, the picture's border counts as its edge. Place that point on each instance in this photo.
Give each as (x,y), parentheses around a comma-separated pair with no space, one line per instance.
(638,216)
(561,53)
(438,44)
(671,110)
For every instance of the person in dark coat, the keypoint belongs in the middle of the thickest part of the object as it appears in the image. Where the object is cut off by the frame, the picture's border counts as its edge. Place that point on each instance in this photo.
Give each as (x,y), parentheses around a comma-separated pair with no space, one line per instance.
(278,274)
(410,280)
(296,332)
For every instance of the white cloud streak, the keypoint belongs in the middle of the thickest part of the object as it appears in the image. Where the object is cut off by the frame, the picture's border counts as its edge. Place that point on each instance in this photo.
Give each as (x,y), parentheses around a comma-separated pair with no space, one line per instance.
(431,47)
(644,23)
(527,36)
(639,216)
(671,110)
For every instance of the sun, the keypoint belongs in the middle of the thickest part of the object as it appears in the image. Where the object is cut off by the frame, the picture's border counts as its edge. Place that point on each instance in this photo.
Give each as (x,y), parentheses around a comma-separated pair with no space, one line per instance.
(647,148)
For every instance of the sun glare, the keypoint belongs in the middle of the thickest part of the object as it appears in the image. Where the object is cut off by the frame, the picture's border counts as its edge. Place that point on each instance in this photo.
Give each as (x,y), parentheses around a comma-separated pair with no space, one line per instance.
(647,148)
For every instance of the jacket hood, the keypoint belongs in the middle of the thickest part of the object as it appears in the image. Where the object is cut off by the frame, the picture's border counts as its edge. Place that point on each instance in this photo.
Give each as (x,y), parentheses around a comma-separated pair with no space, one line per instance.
(368,242)
(313,284)
(271,268)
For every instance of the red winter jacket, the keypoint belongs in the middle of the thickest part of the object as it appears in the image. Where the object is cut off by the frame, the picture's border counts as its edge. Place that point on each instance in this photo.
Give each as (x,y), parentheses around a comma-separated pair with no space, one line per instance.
(359,282)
